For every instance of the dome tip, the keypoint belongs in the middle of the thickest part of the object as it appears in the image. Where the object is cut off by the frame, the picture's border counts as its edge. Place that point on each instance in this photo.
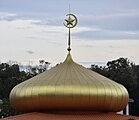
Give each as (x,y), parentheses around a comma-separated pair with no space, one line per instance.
(68,58)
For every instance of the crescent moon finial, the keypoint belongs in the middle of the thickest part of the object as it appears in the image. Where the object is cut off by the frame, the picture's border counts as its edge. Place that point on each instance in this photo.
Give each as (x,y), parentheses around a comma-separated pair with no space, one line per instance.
(71,22)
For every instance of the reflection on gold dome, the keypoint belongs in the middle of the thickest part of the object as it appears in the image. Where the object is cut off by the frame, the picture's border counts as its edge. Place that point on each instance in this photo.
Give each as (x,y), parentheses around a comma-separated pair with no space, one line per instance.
(69,86)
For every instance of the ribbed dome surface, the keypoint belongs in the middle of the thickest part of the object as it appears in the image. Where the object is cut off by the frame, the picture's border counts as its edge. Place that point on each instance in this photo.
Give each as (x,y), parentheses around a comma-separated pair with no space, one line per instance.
(69,86)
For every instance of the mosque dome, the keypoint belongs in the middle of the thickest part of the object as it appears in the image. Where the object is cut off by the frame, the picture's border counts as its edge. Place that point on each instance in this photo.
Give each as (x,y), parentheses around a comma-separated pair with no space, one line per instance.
(69,86)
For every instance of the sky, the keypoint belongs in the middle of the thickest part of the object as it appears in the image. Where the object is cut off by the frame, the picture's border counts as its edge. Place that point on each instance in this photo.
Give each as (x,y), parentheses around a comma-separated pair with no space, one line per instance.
(31,30)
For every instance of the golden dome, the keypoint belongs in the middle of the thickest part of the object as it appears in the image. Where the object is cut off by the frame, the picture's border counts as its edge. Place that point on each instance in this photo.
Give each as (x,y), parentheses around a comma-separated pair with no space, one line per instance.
(69,86)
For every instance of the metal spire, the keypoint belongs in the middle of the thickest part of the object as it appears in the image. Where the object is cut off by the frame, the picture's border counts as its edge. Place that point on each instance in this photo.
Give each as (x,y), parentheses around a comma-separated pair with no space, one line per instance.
(71,22)
(69,8)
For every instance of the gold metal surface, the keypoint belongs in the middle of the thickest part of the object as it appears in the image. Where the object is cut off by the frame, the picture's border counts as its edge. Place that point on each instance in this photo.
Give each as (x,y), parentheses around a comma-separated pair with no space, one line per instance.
(69,86)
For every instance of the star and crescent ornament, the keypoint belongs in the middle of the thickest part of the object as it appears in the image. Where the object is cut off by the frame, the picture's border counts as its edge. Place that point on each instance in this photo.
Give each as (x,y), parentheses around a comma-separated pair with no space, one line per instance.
(71,21)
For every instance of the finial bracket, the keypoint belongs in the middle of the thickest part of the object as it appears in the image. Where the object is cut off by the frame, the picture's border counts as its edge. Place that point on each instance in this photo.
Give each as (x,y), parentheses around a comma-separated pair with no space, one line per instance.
(71,22)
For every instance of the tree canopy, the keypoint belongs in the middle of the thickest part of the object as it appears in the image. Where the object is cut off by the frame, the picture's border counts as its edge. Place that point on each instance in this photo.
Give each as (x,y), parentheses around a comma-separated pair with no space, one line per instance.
(11,75)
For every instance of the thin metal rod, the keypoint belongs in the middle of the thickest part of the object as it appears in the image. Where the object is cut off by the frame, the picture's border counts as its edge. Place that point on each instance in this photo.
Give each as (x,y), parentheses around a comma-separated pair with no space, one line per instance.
(69,42)
(69,8)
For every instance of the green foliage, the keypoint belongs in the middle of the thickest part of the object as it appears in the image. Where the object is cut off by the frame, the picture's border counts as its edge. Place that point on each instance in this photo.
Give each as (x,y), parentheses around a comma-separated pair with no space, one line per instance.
(6,109)
(10,75)
(99,69)
(34,70)
(120,70)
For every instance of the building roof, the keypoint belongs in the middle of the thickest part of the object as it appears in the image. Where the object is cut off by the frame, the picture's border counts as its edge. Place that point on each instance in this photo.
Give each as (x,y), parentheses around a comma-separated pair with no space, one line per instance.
(71,116)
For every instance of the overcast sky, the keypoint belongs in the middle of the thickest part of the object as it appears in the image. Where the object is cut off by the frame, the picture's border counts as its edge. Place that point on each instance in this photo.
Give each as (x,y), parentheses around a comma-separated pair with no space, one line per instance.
(31,30)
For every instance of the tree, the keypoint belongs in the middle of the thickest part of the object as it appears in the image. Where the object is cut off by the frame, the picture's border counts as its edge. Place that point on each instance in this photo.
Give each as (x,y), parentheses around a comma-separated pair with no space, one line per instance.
(34,70)
(6,109)
(100,69)
(10,75)
(120,70)
(43,66)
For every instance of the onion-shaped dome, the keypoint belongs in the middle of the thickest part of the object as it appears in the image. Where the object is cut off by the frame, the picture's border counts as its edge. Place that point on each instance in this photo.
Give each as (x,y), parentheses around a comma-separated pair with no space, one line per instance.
(69,86)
